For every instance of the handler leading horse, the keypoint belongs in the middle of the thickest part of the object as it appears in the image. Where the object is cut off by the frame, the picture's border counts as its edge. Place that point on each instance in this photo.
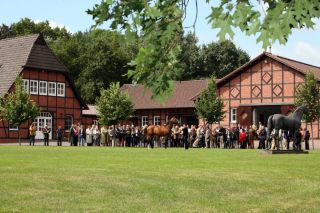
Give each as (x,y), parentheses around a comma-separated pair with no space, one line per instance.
(291,122)
(159,131)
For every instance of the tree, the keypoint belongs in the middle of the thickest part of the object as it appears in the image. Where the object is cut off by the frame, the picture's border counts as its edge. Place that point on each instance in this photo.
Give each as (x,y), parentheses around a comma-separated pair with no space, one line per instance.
(113,106)
(95,59)
(26,26)
(209,106)
(189,58)
(309,94)
(158,25)
(221,58)
(16,107)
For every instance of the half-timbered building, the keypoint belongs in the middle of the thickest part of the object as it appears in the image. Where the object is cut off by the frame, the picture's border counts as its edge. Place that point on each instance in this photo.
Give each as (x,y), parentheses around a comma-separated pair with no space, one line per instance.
(45,78)
(265,85)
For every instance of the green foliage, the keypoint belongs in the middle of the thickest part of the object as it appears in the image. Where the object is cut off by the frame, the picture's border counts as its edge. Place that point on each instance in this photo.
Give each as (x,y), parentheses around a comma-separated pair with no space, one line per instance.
(113,105)
(208,105)
(16,107)
(216,58)
(221,58)
(26,26)
(274,24)
(309,94)
(95,59)
(158,24)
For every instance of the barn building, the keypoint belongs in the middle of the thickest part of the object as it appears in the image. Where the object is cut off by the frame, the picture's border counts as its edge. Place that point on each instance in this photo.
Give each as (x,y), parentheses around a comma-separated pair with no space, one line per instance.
(180,104)
(45,78)
(265,85)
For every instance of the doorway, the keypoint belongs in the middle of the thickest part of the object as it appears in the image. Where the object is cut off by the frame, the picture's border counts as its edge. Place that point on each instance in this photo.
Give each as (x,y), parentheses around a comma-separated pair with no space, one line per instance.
(262,113)
(44,118)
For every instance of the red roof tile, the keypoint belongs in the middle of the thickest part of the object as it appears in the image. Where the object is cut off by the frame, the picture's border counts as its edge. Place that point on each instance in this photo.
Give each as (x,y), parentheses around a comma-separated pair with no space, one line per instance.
(181,96)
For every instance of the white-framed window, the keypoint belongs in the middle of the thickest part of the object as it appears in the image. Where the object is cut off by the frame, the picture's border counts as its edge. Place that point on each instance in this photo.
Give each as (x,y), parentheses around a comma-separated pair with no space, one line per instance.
(144,120)
(61,89)
(68,121)
(156,120)
(233,115)
(26,85)
(52,88)
(33,87)
(13,127)
(167,118)
(43,88)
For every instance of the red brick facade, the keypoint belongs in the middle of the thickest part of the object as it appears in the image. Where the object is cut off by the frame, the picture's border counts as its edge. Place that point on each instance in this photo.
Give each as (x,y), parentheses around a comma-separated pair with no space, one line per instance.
(58,107)
(262,87)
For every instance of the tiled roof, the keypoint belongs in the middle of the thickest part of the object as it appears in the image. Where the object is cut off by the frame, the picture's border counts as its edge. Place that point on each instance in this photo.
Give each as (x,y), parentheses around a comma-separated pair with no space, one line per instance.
(14,54)
(181,96)
(296,65)
(25,51)
(90,111)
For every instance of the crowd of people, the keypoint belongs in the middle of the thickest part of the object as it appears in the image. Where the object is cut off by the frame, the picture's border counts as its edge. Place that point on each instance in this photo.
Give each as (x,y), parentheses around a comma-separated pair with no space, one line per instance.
(203,136)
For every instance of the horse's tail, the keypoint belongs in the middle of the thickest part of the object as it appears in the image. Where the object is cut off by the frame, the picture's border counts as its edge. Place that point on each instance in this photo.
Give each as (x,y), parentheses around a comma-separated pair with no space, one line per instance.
(270,126)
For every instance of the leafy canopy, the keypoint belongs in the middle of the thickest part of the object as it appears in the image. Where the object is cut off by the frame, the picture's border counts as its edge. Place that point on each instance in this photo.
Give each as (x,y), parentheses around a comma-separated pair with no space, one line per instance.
(309,94)
(158,24)
(216,58)
(16,107)
(208,105)
(113,105)
(26,26)
(95,59)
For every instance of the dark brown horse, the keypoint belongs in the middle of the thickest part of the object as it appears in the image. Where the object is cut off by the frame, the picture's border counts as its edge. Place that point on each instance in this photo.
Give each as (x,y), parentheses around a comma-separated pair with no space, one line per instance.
(159,131)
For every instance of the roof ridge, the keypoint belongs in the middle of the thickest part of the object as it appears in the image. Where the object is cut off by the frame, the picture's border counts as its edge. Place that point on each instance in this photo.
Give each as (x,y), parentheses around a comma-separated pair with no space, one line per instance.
(297,61)
(206,79)
(20,36)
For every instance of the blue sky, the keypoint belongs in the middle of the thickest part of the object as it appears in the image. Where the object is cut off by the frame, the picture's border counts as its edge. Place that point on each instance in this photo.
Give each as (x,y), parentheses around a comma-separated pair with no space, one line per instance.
(303,45)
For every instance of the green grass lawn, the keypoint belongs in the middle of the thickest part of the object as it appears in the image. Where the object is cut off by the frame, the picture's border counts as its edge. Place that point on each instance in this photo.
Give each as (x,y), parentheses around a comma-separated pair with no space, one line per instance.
(96,179)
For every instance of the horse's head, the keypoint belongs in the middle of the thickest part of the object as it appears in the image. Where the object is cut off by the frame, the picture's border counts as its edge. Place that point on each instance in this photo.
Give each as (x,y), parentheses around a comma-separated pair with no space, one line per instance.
(173,120)
(305,109)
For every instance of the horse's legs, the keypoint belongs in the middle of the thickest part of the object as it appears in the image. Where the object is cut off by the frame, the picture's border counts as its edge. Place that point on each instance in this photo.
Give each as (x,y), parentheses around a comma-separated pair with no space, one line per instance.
(276,139)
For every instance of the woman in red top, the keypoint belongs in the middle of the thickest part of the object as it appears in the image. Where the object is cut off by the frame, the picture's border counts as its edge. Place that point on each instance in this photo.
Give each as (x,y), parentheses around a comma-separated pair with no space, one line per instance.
(242,138)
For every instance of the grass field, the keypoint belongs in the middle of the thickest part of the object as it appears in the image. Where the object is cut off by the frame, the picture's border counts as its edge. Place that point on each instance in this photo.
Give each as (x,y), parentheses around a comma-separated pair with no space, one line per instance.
(96,179)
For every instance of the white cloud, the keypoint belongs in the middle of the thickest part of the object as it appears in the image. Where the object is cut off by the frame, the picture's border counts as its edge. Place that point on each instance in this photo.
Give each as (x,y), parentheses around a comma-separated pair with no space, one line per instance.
(54,24)
(308,53)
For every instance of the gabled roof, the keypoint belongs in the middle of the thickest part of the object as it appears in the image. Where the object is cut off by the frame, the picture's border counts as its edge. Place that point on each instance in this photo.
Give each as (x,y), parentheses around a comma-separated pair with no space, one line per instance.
(30,51)
(297,65)
(14,54)
(181,96)
(301,67)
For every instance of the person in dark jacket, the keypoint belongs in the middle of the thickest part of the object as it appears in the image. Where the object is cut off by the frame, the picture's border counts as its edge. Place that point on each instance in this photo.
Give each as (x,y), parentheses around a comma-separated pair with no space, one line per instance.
(59,136)
(297,140)
(185,136)
(73,135)
(46,132)
(262,138)
(306,138)
(287,138)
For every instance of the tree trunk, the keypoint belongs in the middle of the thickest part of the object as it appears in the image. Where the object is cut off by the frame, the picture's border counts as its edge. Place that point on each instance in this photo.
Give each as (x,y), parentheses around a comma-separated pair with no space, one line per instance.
(19,136)
(114,136)
(312,135)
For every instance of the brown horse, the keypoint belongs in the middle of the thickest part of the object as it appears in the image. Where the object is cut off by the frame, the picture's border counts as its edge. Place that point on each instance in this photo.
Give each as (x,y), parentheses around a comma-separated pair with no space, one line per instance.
(159,131)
